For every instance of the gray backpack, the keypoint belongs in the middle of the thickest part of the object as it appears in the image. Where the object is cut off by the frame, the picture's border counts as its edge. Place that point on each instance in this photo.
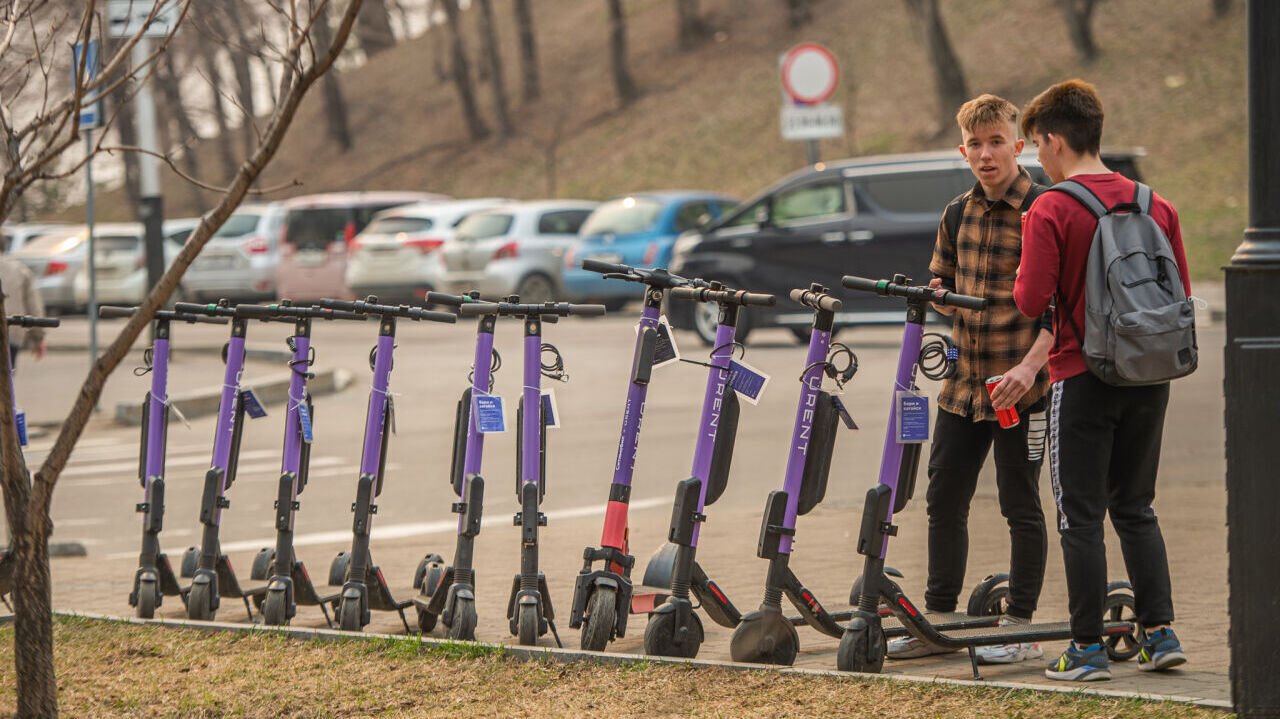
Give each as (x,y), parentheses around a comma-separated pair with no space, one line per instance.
(1139,324)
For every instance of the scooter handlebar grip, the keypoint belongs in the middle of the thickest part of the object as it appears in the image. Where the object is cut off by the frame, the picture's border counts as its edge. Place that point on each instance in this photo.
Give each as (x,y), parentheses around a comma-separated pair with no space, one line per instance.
(586,310)
(192,308)
(207,319)
(861,284)
(475,309)
(29,321)
(686,293)
(112,312)
(605,268)
(257,312)
(341,315)
(440,298)
(757,299)
(345,305)
(429,316)
(967,302)
(817,301)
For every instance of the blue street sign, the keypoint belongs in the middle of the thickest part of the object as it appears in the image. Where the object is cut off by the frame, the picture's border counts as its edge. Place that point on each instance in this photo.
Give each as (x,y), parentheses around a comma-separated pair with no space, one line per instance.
(91,107)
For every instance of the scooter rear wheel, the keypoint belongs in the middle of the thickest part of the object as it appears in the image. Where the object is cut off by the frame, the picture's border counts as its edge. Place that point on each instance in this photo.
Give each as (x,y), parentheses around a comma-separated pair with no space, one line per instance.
(602,615)
(1120,607)
(464,620)
(198,603)
(148,598)
(527,624)
(859,651)
(659,636)
(426,621)
(273,610)
(349,615)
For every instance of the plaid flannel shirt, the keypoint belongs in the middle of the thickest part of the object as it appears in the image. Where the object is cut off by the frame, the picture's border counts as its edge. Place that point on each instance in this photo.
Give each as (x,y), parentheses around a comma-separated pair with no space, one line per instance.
(983,261)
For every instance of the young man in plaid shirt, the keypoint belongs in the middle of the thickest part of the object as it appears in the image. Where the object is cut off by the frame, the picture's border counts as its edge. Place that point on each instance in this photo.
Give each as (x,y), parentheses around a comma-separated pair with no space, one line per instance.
(981,259)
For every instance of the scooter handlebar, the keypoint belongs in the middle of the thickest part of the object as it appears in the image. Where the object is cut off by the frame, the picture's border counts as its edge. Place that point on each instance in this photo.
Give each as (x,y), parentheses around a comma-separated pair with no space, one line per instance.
(213,310)
(816,300)
(558,309)
(938,296)
(112,312)
(287,313)
(727,297)
(29,321)
(370,306)
(657,277)
(429,316)
(606,268)
(440,298)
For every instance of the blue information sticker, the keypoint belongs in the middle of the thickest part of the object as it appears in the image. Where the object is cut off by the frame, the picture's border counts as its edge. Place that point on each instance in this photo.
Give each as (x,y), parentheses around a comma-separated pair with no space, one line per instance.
(747,381)
(252,406)
(844,413)
(490,417)
(20,419)
(550,417)
(913,418)
(304,417)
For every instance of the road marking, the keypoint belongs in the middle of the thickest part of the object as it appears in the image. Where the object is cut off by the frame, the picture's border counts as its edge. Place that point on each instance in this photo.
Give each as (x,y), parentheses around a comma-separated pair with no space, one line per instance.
(121,451)
(413,529)
(92,469)
(241,473)
(83,522)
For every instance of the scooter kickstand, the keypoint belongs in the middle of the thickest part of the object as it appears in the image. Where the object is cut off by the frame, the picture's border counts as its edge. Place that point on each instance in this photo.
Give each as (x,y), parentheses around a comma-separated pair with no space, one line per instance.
(973,662)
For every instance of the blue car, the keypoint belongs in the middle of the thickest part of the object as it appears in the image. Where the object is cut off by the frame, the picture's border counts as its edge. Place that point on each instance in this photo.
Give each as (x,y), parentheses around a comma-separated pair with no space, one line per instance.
(638,230)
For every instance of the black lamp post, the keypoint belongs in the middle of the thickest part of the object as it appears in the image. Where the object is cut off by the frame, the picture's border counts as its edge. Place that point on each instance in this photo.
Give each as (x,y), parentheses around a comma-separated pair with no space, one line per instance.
(1253,391)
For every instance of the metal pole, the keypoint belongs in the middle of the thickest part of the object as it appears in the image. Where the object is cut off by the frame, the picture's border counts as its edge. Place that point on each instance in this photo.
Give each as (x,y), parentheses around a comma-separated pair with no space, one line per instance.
(1252,392)
(151,205)
(93,273)
(811,147)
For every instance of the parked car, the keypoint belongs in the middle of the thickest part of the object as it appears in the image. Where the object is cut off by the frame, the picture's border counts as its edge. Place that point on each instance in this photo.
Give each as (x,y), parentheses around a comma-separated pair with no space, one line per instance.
(120,261)
(317,232)
(396,256)
(18,234)
(514,249)
(241,258)
(867,216)
(638,230)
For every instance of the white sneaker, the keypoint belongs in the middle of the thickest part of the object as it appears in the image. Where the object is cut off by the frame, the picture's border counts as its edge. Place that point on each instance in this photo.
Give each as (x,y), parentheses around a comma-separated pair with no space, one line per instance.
(911,648)
(1008,653)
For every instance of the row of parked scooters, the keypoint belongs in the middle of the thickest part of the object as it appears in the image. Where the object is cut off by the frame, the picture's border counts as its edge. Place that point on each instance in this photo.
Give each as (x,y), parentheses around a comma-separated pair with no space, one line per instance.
(605,593)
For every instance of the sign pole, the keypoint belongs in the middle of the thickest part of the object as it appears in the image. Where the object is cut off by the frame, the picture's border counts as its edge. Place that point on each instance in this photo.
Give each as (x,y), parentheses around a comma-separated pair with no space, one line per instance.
(93,275)
(812,147)
(151,204)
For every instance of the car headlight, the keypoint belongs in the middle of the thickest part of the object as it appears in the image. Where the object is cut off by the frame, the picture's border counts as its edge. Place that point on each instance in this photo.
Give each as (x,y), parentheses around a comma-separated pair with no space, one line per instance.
(683,246)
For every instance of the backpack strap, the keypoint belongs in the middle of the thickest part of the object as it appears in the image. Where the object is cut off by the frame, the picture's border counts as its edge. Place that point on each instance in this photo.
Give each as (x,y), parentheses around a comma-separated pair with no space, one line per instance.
(1142,197)
(1083,195)
(954,214)
(1033,192)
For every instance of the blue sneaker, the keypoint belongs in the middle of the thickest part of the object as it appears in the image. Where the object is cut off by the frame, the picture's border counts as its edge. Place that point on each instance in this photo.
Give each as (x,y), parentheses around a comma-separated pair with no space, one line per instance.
(1080,664)
(1160,650)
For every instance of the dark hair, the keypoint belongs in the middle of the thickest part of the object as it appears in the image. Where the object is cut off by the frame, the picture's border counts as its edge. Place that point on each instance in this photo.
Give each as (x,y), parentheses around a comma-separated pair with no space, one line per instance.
(1071,110)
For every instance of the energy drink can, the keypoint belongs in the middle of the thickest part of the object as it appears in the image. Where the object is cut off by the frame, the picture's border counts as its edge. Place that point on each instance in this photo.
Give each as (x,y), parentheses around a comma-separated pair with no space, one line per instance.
(1007,417)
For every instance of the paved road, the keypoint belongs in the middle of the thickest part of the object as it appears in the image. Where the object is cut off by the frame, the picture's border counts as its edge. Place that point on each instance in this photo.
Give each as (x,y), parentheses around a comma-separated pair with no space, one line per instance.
(95,497)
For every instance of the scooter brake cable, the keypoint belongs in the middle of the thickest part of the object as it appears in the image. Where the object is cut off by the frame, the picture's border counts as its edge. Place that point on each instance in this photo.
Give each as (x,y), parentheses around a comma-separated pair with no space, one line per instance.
(717,348)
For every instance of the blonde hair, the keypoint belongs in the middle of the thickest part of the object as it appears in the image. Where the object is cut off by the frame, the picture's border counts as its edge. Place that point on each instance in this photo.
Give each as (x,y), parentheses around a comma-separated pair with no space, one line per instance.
(985,111)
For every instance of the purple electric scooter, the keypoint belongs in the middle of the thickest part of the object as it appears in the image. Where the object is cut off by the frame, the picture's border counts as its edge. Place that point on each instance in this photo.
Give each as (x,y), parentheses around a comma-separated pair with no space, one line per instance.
(154,578)
(363,586)
(863,646)
(673,629)
(7,564)
(529,609)
(288,584)
(765,635)
(602,597)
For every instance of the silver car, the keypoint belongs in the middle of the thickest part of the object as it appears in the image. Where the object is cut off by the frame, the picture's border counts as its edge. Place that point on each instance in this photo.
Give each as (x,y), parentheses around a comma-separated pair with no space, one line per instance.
(241,258)
(17,235)
(120,261)
(396,257)
(514,249)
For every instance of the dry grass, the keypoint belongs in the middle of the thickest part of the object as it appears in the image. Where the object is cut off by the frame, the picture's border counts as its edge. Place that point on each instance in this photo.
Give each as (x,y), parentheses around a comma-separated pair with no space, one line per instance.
(1172,78)
(117,670)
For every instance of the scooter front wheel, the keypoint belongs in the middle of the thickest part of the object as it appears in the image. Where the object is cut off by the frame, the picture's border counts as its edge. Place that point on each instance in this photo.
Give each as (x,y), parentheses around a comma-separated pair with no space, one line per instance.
(198,603)
(349,615)
(426,621)
(861,650)
(602,615)
(527,624)
(464,620)
(660,636)
(148,598)
(273,610)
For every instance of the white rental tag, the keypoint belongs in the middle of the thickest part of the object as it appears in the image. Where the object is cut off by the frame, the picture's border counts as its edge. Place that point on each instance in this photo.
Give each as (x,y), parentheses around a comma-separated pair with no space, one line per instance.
(747,381)
(665,350)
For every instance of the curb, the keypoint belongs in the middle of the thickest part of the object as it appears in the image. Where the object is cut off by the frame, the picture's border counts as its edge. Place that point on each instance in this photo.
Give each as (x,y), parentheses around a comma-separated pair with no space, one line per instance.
(575,655)
(272,390)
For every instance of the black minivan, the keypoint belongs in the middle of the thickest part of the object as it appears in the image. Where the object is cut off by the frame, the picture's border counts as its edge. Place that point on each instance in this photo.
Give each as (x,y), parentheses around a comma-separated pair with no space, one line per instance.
(868,216)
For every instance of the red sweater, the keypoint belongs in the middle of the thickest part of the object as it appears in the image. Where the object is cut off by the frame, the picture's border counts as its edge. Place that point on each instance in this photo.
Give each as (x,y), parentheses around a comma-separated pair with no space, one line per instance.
(1056,235)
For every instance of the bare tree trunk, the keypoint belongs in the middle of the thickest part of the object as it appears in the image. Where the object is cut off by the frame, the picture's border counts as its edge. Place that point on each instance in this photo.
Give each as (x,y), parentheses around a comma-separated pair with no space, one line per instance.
(1079,15)
(226,152)
(622,82)
(335,106)
(489,35)
(462,75)
(167,83)
(691,28)
(244,78)
(1221,8)
(528,51)
(798,13)
(437,47)
(947,74)
(127,129)
(373,29)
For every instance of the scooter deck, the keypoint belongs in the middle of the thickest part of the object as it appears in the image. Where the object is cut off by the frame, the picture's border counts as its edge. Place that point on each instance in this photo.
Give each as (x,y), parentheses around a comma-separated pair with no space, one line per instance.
(1016,633)
(942,621)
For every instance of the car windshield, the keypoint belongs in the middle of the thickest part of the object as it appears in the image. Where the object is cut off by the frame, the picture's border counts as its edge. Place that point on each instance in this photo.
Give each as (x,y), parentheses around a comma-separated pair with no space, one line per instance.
(485,224)
(396,225)
(52,244)
(620,217)
(315,229)
(241,223)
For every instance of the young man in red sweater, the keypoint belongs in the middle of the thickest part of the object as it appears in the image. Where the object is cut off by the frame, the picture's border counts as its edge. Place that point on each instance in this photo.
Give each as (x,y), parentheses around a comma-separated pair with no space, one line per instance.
(1104,441)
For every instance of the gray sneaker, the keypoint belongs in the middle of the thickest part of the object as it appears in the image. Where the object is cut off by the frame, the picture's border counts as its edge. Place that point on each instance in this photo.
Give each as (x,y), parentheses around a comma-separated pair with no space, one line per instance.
(912,648)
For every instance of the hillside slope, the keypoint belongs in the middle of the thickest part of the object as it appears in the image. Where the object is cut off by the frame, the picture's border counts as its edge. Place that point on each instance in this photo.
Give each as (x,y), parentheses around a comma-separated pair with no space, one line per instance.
(1172,79)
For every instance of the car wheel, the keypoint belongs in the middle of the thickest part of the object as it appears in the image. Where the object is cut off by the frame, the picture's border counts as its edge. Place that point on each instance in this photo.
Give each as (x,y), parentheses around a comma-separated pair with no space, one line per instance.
(536,289)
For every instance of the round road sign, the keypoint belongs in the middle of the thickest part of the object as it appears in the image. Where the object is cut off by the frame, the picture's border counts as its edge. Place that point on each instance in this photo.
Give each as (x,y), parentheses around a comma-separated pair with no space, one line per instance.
(810,73)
